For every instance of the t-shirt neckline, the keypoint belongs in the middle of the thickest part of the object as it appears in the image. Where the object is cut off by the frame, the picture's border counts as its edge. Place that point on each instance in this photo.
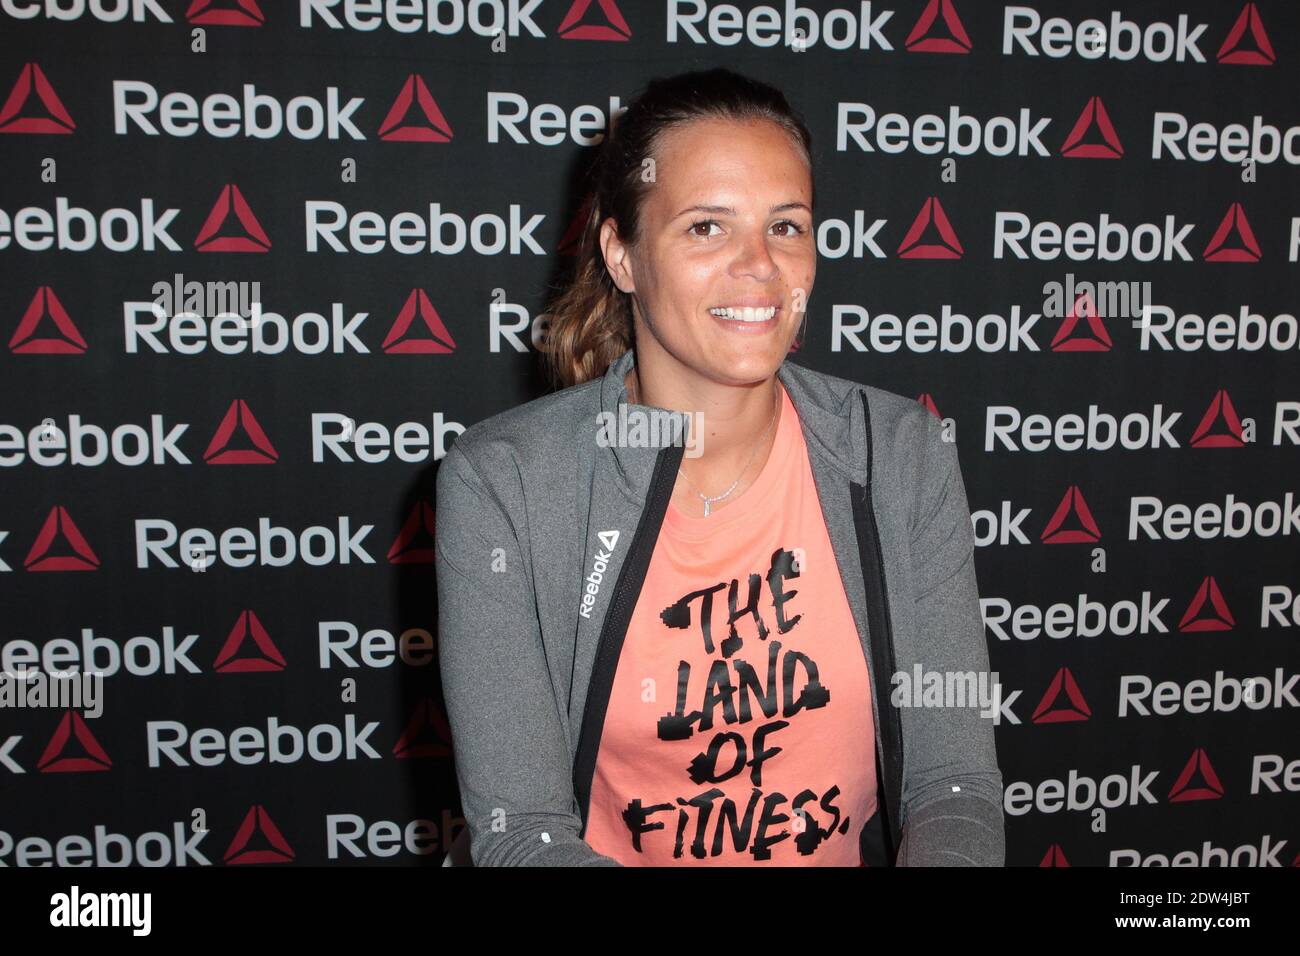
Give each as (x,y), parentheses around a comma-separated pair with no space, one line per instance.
(731,512)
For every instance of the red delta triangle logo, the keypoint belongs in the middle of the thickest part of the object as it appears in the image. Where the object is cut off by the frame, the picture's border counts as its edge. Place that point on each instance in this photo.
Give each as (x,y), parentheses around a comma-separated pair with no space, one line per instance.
(1246,248)
(921,241)
(1093,123)
(254,239)
(58,536)
(63,755)
(1054,856)
(414,544)
(427,722)
(1261,54)
(956,40)
(927,402)
(240,440)
(573,233)
(1062,701)
(1198,781)
(56,118)
(613,27)
(237,657)
(225,13)
(1097,339)
(258,840)
(1222,619)
(414,116)
(1084,528)
(1219,427)
(439,341)
(33,337)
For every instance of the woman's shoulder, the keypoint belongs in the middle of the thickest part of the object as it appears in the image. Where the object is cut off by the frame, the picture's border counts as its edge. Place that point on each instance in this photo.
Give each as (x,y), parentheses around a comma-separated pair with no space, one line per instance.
(897,420)
(531,429)
(914,460)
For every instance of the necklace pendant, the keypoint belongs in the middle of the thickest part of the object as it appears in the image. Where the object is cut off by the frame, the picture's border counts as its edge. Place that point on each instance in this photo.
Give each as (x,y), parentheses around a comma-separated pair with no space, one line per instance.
(706,508)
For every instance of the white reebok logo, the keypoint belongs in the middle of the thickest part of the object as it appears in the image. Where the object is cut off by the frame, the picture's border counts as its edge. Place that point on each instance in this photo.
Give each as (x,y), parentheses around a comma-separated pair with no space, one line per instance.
(608,540)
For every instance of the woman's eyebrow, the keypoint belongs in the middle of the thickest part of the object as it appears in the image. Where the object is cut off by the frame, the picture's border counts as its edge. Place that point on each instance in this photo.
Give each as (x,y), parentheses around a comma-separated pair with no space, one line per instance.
(730,211)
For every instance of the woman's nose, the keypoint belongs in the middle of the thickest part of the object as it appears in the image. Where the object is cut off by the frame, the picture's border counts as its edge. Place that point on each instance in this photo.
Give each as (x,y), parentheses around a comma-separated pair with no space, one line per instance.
(754,255)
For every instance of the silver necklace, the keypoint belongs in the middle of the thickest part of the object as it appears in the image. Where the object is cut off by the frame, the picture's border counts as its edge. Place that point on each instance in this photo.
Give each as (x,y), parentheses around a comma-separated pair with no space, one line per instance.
(708,501)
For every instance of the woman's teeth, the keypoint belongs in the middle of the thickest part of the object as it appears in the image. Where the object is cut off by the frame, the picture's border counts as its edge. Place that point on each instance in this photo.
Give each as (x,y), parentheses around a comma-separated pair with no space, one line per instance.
(747,314)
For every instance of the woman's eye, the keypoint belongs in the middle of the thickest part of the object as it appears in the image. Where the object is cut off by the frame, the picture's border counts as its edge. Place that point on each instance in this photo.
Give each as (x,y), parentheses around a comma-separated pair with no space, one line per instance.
(798,229)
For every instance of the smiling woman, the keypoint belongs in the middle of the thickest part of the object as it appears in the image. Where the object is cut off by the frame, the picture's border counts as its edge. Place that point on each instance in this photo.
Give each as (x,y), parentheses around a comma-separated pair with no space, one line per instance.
(699,248)
(653,658)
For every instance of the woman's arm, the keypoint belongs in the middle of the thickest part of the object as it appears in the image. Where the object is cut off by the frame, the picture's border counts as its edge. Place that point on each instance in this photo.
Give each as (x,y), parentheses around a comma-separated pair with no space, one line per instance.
(952,787)
(512,758)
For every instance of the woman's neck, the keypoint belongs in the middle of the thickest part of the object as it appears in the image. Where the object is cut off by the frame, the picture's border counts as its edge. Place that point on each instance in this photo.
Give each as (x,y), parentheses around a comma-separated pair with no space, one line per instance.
(738,424)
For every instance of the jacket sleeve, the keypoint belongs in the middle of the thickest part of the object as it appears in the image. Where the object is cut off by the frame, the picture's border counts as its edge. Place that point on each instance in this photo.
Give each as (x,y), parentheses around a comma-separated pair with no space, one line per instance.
(952,787)
(511,754)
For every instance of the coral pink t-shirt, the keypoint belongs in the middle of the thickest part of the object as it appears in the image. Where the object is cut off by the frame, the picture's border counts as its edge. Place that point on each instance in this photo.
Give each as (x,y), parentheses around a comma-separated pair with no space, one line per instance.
(741,693)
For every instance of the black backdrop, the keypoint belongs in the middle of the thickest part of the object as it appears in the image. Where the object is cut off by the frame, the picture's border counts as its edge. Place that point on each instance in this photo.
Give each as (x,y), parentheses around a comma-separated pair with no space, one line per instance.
(170,111)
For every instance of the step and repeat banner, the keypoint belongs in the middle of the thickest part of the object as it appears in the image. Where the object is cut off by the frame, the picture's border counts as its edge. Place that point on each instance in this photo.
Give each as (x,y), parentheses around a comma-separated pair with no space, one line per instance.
(263,260)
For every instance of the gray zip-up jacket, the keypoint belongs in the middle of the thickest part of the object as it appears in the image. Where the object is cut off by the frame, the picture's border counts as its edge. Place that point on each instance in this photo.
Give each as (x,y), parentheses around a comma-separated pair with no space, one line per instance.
(526,501)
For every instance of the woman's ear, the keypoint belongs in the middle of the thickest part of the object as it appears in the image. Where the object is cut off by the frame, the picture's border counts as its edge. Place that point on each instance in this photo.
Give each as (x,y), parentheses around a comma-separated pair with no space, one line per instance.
(617,261)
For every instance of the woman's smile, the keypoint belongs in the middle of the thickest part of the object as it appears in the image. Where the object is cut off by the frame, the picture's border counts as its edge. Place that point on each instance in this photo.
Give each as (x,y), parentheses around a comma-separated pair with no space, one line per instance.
(749,321)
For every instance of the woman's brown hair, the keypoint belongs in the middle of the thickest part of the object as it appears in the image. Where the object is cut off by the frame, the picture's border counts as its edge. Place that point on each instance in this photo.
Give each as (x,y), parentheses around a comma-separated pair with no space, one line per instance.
(590,321)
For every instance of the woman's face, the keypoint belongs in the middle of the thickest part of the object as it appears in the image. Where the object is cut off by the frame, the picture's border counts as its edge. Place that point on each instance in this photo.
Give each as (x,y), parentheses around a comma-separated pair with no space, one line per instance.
(727,224)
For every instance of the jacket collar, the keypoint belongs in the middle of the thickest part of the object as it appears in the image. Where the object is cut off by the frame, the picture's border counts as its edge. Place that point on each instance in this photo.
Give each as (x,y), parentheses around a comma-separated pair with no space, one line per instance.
(830,413)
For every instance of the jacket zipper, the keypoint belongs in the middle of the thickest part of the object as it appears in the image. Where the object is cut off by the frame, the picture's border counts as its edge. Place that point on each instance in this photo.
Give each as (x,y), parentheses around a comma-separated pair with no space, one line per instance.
(881,635)
(614,629)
